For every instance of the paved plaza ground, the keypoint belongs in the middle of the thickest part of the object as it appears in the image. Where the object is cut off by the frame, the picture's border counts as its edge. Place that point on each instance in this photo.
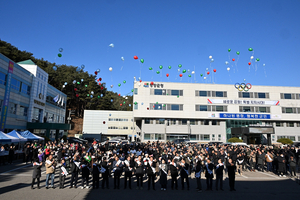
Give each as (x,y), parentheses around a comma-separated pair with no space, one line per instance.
(15,183)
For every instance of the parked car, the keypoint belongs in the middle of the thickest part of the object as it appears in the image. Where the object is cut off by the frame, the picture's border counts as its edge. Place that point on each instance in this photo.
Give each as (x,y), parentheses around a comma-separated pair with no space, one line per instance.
(239,144)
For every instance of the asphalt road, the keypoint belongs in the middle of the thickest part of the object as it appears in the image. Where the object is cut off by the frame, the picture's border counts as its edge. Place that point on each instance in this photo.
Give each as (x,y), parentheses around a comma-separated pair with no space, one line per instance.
(15,181)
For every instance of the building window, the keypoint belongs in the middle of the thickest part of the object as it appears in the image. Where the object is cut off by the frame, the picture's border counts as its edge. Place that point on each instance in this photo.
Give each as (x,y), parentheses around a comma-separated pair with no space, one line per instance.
(136,106)
(158,92)
(219,94)
(279,124)
(184,122)
(287,96)
(177,92)
(219,137)
(203,108)
(289,124)
(15,84)
(37,90)
(203,93)
(288,110)
(174,107)
(246,94)
(157,106)
(23,111)
(194,137)
(2,78)
(159,136)
(298,125)
(204,137)
(215,123)
(160,121)
(135,91)
(192,122)
(25,89)
(246,109)
(12,108)
(262,109)
(1,101)
(219,108)
(146,136)
(148,121)
(205,122)
(262,95)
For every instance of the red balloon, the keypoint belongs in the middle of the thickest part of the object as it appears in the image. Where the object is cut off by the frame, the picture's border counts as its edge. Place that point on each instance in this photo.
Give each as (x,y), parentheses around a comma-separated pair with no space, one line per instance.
(147,108)
(96,72)
(180,75)
(99,83)
(135,57)
(167,75)
(77,95)
(152,83)
(119,94)
(208,73)
(249,63)
(102,88)
(153,106)
(140,81)
(233,59)
(75,89)
(103,122)
(120,104)
(215,70)
(100,79)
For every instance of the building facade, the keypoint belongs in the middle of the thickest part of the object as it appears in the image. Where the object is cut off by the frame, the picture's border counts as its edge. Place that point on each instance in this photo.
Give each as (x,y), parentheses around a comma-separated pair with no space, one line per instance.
(30,100)
(216,112)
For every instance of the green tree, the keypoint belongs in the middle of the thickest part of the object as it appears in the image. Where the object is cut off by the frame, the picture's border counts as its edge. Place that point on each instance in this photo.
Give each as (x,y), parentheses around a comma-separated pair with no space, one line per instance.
(234,140)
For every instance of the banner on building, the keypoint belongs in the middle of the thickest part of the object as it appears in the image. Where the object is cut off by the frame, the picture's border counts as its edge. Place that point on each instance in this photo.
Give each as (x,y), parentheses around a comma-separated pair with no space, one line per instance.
(245,102)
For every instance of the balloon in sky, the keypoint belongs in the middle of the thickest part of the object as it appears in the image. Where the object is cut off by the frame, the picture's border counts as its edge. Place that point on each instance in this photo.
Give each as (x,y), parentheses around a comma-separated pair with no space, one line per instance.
(204,77)
(212,60)
(119,84)
(122,58)
(77,69)
(54,68)
(82,66)
(98,70)
(167,75)
(215,70)
(169,67)
(264,65)
(112,45)
(78,83)
(59,55)
(210,57)
(206,69)
(233,59)
(208,73)
(142,60)
(160,67)
(124,81)
(85,85)
(99,83)
(201,75)
(111,86)
(226,62)
(75,89)
(150,68)
(157,72)
(60,49)
(110,69)
(180,75)
(135,57)
(251,57)
(249,63)
(228,68)
(238,53)
(244,80)
(257,59)
(190,75)
(63,86)
(183,71)
(179,66)
(88,95)
(178,70)
(250,49)
(102,88)
(193,72)
(229,50)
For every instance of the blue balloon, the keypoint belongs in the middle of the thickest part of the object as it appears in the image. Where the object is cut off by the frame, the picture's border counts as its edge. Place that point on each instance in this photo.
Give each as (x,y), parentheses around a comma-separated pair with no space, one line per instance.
(54,68)
(98,70)
(91,96)
(60,49)
(77,69)
(66,83)
(81,80)
(101,95)
(82,66)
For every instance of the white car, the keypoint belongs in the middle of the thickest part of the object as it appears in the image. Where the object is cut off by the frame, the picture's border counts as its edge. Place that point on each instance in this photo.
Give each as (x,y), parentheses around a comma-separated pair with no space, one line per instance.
(239,144)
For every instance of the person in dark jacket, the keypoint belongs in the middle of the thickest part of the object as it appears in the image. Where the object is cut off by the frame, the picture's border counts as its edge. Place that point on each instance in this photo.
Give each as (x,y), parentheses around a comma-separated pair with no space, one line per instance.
(117,170)
(184,174)
(139,167)
(174,174)
(128,168)
(198,170)
(151,164)
(104,171)
(260,161)
(11,154)
(231,174)
(36,173)
(63,174)
(95,172)
(281,165)
(292,162)
(85,173)
(75,164)
(219,174)
(208,168)
(163,174)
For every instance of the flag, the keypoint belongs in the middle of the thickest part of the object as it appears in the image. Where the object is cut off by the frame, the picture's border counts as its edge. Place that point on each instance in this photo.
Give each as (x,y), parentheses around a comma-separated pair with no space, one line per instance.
(55,99)
(62,102)
(58,102)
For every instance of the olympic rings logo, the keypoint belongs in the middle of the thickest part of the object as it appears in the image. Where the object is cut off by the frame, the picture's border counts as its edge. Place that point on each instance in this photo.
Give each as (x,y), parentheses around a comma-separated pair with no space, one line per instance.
(243,87)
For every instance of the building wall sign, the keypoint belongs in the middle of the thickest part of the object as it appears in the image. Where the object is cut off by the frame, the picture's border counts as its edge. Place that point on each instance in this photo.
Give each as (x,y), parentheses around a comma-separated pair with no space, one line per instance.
(245,102)
(39,103)
(244,116)
(155,85)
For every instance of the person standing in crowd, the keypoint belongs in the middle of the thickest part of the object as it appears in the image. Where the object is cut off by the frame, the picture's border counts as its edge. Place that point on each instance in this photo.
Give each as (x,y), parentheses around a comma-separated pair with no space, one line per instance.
(198,170)
(37,172)
(50,171)
(219,174)
(139,172)
(252,161)
(151,164)
(128,168)
(239,164)
(184,174)
(174,174)
(85,170)
(231,174)
(208,168)
(260,161)
(269,160)
(95,171)
(75,164)
(11,154)
(281,165)
(292,163)
(63,174)
(104,171)
(117,170)
(163,174)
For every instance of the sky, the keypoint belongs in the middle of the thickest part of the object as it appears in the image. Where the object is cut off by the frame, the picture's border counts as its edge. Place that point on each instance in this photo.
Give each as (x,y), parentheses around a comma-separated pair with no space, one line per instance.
(163,33)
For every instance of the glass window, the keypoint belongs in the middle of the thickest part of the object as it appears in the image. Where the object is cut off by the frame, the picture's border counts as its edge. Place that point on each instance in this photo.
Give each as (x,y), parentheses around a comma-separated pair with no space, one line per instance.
(262,109)
(158,92)
(37,91)
(1,101)
(157,106)
(246,94)
(15,84)
(288,110)
(2,78)
(184,122)
(279,124)
(215,122)
(12,108)
(206,122)
(174,107)
(290,124)
(175,92)
(136,106)
(246,109)
(135,90)
(25,89)
(287,96)
(172,121)
(202,93)
(193,137)
(219,108)
(146,136)
(23,111)
(160,121)
(219,94)
(262,95)
(148,121)
(192,122)
(203,108)
(205,137)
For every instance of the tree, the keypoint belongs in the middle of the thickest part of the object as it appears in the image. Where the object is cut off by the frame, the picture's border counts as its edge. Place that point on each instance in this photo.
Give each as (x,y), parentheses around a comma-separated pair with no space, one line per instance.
(285,141)
(234,140)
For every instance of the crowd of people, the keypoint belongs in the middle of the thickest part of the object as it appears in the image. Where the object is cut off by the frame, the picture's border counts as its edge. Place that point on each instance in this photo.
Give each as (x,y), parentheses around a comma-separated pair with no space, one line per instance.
(155,162)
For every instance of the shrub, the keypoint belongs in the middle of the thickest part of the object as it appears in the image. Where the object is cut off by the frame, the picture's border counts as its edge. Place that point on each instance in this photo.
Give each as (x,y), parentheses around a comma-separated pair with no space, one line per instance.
(234,140)
(285,141)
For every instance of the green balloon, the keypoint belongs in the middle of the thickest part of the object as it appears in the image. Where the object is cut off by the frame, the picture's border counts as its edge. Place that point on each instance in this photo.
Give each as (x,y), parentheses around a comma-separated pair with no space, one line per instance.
(124,102)
(78,83)
(179,66)
(150,68)
(160,67)
(142,60)
(250,49)
(157,72)
(201,75)
(238,53)
(190,75)
(85,85)
(88,95)
(124,81)
(183,71)
(164,105)
(156,102)
(169,67)
(119,84)
(135,103)
(59,55)
(98,97)
(229,50)
(177,96)
(132,90)
(257,59)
